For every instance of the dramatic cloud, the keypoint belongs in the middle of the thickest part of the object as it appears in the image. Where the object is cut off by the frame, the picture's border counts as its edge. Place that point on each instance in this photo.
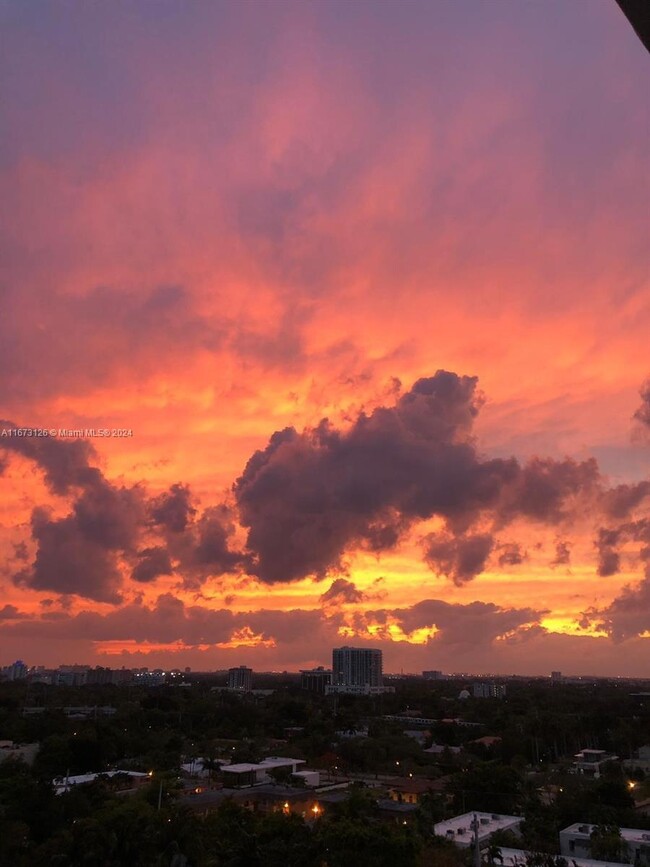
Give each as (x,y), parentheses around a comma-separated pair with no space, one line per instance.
(65,463)
(460,558)
(609,560)
(609,541)
(511,554)
(478,623)
(168,619)
(546,490)
(78,554)
(173,510)
(152,562)
(187,259)
(307,497)
(340,591)
(620,501)
(629,614)
(68,562)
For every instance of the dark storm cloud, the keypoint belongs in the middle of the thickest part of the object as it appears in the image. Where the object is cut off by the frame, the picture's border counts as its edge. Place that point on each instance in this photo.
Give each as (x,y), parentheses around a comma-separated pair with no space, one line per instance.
(309,632)
(110,516)
(460,558)
(628,615)
(81,553)
(478,623)
(214,529)
(510,554)
(544,489)
(340,591)
(152,562)
(621,500)
(609,541)
(68,562)
(65,463)
(170,620)
(205,547)
(562,553)
(77,554)
(309,496)
(173,510)
(609,560)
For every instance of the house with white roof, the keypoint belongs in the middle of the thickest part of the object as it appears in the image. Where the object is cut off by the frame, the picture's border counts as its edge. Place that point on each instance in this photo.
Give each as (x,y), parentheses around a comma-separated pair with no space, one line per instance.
(460,829)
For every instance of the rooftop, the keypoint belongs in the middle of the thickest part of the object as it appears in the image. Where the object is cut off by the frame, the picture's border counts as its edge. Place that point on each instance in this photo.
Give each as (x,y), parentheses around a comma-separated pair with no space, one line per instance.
(517,858)
(630,835)
(460,827)
(265,765)
(62,784)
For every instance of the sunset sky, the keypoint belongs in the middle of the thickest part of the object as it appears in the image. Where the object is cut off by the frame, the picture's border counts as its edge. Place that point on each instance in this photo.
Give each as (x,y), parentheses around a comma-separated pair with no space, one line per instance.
(366,284)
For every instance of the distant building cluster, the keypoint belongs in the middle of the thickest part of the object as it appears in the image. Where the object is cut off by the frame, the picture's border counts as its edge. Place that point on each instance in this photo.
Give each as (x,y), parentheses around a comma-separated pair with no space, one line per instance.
(16,671)
(82,675)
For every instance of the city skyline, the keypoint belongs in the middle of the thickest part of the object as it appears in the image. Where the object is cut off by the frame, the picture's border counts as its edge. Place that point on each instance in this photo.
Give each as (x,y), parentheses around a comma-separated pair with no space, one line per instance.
(316,333)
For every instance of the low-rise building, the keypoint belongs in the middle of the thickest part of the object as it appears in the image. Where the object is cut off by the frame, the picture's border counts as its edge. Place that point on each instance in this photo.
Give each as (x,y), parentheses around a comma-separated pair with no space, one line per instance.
(244,774)
(131,780)
(409,790)
(576,841)
(590,763)
(460,830)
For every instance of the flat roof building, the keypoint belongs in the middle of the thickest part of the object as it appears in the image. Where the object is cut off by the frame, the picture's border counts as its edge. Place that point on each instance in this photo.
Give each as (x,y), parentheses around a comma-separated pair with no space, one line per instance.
(316,679)
(64,784)
(460,829)
(357,671)
(257,773)
(591,762)
(576,840)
